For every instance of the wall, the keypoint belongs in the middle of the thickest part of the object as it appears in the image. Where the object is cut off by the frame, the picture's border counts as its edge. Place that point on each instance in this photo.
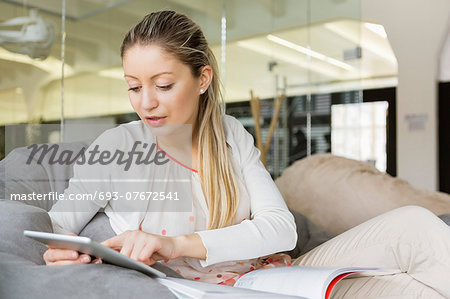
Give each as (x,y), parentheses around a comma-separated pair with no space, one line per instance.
(444,74)
(417,31)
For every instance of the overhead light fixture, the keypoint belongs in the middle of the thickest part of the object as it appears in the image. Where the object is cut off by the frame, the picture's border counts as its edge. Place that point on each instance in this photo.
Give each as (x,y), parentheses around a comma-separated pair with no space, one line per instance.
(288,58)
(379,48)
(310,52)
(376,28)
(34,38)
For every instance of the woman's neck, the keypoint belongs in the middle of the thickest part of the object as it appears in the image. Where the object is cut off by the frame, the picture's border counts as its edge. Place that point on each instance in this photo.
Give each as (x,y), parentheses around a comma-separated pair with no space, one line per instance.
(182,146)
(180,141)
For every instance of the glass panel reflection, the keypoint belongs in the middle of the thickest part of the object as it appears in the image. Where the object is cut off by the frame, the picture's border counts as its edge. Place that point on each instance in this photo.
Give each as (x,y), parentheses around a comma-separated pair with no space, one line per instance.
(358,131)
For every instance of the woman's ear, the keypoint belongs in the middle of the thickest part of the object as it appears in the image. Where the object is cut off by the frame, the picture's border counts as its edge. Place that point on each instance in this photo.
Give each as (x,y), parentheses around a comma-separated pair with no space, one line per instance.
(205,78)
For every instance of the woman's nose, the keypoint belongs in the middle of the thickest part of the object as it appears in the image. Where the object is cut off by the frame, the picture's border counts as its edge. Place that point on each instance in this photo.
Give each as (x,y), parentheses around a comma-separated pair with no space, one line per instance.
(149,100)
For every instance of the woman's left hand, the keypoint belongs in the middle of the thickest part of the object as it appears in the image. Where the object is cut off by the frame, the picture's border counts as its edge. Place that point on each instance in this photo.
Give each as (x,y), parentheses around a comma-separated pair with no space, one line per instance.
(143,247)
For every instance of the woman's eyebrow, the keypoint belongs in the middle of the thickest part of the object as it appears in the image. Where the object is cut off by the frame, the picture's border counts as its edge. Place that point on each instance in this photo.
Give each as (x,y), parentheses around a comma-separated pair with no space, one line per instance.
(154,76)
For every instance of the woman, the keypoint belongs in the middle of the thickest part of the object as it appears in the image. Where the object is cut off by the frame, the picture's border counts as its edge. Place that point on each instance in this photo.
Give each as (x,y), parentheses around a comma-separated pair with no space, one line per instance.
(236,219)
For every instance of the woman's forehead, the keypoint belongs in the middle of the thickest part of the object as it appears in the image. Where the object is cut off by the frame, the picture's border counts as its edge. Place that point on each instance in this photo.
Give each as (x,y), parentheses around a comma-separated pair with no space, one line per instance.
(139,51)
(151,60)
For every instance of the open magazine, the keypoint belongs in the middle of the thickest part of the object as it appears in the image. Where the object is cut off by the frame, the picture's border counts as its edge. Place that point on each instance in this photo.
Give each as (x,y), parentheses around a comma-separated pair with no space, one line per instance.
(279,282)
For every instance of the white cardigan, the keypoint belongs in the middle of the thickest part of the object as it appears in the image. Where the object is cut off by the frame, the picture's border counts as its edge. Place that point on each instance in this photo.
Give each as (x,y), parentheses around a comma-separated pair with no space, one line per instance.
(263,224)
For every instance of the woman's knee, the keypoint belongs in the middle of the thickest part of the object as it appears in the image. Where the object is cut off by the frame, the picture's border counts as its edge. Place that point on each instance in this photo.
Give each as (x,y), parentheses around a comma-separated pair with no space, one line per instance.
(414,217)
(413,212)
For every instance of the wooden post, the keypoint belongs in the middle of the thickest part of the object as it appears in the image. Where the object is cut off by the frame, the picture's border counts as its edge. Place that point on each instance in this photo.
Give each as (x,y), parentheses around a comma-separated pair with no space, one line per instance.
(255,106)
(273,123)
(256,110)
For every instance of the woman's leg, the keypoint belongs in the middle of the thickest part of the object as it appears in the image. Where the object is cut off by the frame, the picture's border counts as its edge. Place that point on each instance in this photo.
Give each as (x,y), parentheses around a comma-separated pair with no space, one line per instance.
(409,240)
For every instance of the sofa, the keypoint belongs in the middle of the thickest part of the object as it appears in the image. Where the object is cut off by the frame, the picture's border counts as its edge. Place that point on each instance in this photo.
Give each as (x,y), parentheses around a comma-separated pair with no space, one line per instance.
(325,193)
(337,193)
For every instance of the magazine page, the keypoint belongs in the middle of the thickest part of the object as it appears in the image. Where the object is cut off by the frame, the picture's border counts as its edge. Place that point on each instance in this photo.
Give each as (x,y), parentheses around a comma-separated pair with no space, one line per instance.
(309,282)
(184,288)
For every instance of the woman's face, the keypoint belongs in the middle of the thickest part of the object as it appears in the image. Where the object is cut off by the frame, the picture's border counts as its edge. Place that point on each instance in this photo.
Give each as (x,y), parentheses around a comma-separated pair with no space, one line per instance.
(162,89)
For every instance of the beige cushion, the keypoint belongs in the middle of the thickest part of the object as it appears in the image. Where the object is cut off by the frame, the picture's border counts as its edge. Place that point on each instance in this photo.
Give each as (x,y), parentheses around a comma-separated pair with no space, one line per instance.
(338,193)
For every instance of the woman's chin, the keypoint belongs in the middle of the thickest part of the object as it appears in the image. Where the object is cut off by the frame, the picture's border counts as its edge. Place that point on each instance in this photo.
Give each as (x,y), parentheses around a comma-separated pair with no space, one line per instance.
(180,130)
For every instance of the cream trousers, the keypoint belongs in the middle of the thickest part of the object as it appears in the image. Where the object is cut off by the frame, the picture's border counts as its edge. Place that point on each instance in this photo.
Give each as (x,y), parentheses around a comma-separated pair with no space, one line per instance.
(411,241)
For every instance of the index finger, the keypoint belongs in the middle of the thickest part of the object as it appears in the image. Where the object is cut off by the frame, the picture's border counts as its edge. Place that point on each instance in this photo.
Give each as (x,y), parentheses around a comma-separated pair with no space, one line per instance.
(116,241)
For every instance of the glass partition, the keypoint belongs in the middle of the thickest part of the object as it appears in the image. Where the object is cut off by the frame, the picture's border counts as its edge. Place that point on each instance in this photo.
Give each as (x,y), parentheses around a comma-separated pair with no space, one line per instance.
(296,57)
(29,61)
(262,62)
(302,50)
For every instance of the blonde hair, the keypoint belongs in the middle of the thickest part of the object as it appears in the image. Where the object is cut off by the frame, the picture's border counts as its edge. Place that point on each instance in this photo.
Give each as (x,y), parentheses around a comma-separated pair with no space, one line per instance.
(181,37)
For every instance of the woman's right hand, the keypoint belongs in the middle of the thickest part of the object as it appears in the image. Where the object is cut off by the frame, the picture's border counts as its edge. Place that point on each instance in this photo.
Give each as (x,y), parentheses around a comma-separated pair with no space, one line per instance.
(61,257)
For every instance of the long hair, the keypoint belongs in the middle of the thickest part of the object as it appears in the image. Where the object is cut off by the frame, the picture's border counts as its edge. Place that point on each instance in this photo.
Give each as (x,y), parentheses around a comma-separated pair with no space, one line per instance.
(180,36)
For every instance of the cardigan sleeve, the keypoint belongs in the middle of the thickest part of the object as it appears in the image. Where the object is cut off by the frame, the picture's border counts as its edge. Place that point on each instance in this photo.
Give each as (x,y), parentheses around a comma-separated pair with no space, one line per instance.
(271,228)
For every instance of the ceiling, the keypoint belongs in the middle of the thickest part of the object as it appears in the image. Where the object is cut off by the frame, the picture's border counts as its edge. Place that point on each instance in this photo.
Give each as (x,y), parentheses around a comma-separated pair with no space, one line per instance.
(312,46)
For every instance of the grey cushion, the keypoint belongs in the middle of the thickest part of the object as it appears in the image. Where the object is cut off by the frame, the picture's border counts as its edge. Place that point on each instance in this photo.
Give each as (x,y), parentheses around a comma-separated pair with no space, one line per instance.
(309,235)
(21,261)
(77,281)
(20,177)
(445,218)
(99,228)
(14,218)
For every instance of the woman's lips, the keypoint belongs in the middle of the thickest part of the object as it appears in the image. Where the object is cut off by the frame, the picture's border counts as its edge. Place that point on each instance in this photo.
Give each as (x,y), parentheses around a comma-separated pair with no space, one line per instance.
(155,121)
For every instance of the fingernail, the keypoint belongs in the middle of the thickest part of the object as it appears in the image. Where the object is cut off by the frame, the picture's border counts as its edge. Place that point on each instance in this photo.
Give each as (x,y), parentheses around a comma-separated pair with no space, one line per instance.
(74,255)
(85,259)
(98,262)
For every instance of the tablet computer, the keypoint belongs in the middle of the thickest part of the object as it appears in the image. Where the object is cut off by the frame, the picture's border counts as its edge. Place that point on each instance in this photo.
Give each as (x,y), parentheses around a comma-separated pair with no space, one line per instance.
(86,245)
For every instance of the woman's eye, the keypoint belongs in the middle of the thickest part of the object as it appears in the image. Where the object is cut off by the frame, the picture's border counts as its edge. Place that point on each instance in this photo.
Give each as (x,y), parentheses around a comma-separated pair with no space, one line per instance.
(134,89)
(165,87)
